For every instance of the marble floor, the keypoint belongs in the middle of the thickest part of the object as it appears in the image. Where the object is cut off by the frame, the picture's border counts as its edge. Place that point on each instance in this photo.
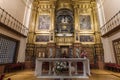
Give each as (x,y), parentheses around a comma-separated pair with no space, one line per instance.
(95,75)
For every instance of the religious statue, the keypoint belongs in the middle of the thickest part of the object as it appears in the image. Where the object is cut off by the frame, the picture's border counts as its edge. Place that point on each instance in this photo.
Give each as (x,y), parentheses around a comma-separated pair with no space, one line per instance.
(83,54)
(51,37)
(70,53)
(50,53)
(77,36)
(64,20)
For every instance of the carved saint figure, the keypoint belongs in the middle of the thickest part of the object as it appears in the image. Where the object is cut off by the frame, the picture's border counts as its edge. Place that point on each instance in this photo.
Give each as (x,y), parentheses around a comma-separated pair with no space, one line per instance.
(50,53)
(64,20)
(84,54)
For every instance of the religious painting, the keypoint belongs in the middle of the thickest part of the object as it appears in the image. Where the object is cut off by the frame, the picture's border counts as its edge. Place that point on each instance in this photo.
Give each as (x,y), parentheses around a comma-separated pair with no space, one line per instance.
(85,22)
(86,38)
(70,53)
(44,22)
(42,38)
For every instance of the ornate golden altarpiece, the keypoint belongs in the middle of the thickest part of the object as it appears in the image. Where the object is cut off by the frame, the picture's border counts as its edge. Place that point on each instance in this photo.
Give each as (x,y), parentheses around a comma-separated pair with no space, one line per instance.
(63,25)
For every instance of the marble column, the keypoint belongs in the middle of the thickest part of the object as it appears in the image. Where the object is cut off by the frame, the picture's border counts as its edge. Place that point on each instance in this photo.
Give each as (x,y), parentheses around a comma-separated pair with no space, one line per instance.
(76,68)
(84,68)
(50,66)
(69,68)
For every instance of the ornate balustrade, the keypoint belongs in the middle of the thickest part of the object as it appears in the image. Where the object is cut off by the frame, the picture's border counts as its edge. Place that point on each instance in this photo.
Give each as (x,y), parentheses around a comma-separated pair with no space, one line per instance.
(112,25)
(10,22)
(51,73)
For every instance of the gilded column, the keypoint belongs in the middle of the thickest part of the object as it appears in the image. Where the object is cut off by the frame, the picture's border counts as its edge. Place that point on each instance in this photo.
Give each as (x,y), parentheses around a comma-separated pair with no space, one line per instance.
(52,23)
(76,24)
(95,25)
(32,23)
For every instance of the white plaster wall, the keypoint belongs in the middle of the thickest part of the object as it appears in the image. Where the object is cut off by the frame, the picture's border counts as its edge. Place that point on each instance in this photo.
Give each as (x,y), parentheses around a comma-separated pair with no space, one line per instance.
(107,50)
(106,10)
(100,12)
(111,7)
(14,7)
(21,53)
(109,55)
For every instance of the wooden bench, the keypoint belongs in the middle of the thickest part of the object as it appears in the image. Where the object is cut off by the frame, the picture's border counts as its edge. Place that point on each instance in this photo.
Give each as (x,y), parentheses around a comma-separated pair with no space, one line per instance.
(112,66)
(117,67)
(14,67)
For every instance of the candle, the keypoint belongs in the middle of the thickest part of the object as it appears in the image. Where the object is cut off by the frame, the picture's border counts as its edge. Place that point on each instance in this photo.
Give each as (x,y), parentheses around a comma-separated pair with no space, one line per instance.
(43,55)
(39,54)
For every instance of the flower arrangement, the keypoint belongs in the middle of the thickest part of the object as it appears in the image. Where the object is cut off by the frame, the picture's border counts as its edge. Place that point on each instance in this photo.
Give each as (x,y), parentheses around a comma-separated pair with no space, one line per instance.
(60,66)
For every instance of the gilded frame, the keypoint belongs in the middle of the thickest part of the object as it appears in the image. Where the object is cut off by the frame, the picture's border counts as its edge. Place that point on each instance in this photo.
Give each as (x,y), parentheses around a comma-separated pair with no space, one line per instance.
(41,38)
(87,38)
(43,23)
(85,22)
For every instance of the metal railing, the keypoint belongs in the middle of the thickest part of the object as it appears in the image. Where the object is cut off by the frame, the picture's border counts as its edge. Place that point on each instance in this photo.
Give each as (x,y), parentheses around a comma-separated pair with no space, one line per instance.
(111,24)
(12,23)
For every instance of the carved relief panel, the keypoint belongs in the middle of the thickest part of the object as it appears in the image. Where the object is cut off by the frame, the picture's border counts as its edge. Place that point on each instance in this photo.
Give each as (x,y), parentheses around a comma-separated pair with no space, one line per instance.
(87,38)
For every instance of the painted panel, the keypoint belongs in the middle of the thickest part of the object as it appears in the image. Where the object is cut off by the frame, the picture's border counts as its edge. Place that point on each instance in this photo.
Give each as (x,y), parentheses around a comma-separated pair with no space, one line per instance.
(44,22)
(42,38)
(85,22)
(86,38)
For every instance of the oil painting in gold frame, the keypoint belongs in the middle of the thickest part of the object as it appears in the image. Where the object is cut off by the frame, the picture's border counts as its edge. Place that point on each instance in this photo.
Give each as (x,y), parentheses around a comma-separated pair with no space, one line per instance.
(85,22)
(44,22)
(42,38)
(87,38)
